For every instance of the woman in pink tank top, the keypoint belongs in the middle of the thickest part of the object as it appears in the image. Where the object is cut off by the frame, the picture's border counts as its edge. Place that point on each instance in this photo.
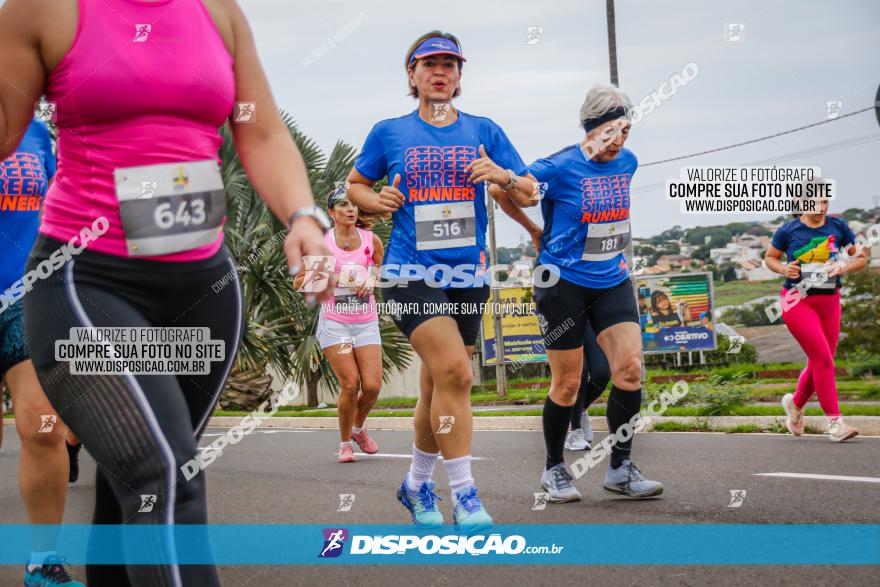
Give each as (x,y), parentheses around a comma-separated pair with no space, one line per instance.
(132,239)
(348,328)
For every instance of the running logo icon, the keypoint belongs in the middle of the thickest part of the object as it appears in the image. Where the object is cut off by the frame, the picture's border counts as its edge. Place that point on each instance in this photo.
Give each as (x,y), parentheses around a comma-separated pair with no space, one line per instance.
(45,111)
(737,497)
(440,110)
(318,270)
(735,32)
(245,112)
(535,34)
(833,108)
(334,540)
(346,345)
(47,423)
(446,423)
(541,501)
(736,343)
(148,188)
(141,32)
(346,500)
(147,503)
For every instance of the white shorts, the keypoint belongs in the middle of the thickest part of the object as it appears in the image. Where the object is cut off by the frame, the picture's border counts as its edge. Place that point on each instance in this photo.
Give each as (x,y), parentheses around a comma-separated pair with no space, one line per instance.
(330,332)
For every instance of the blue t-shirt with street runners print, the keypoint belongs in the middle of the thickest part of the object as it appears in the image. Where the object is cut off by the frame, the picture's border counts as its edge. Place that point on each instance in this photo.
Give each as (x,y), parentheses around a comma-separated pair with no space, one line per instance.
(443,219)
(586,207)
(24,179)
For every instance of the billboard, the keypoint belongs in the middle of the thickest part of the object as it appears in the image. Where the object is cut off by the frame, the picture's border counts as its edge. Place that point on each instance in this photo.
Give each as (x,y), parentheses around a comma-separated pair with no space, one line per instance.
(675,312)
(523,342)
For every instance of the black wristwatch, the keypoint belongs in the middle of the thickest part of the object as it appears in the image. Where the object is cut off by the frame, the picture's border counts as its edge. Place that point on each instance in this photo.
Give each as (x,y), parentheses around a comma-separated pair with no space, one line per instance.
(314,212)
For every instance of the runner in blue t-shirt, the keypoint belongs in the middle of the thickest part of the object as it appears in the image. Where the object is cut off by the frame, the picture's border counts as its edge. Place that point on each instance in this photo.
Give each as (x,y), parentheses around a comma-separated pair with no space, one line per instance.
(585,201)
(45,462)
(437,160)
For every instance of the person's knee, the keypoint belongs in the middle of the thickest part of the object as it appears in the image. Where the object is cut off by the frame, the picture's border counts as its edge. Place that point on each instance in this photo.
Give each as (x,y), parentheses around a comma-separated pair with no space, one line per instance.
(370,389)
(38,438)
(456,376)
(628,372)
(348,386)
(565,389)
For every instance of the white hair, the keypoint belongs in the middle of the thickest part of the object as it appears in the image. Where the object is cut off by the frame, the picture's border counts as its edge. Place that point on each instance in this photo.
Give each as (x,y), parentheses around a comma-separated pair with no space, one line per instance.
(601,99)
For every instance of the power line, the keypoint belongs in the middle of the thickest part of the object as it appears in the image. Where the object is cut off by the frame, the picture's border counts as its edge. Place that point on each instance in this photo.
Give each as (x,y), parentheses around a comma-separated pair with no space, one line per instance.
(779,134)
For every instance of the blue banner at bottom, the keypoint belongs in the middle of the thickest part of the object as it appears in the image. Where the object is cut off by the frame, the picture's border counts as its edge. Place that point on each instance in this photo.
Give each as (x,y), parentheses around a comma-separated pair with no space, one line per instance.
(289,544)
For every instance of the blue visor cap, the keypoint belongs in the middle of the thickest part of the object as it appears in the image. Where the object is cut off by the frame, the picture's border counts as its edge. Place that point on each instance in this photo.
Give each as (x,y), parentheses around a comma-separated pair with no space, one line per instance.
(436,46)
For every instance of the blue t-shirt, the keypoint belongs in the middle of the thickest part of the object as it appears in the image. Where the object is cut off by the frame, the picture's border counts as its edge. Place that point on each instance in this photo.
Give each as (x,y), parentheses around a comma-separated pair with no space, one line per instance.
(24,179)
(813,247)
(443,219)
(585,205)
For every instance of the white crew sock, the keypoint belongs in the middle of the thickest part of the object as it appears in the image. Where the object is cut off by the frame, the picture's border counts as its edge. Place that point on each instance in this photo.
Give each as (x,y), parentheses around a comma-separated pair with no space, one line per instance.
(459,471)
(37,559)
(356,430)
(422,468)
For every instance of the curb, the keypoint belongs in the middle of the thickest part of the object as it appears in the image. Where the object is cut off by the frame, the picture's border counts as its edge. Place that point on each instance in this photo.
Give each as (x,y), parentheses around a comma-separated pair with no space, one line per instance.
(867,425)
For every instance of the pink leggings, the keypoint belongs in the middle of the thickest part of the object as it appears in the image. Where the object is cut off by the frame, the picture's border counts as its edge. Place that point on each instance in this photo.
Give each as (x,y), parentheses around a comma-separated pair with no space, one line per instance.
(815,324)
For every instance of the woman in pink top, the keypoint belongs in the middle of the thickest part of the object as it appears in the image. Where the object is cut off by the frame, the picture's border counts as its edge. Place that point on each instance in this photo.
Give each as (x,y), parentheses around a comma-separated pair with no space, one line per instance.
(132,236)
(348,328)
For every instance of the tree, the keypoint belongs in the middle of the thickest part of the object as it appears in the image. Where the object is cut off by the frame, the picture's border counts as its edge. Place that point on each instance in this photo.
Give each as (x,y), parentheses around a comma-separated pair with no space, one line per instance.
(280,327)
(861,318)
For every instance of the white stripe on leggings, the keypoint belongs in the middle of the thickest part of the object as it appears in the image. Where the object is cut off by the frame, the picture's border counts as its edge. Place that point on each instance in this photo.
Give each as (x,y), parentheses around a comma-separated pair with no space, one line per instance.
(238,318)
(152,423)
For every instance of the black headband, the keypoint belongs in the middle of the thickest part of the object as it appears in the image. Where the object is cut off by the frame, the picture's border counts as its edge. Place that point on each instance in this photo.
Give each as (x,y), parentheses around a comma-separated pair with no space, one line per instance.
(590,124)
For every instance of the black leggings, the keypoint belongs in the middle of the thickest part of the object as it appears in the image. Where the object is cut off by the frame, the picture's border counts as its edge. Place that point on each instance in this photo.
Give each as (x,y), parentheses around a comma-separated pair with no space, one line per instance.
(140,429)
(594,377)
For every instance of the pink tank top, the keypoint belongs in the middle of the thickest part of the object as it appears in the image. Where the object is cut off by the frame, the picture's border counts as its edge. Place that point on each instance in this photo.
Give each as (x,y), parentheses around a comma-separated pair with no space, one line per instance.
(345,307)
(144,83)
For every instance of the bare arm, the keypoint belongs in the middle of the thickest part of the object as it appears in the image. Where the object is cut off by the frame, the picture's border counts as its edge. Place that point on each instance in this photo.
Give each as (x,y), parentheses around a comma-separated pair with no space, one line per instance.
(362,195)
(273,164)
(772,259)
(23,76)
(516,213)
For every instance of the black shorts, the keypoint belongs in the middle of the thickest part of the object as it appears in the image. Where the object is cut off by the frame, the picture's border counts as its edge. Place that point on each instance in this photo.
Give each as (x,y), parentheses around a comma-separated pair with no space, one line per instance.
(565,309)
(417,302)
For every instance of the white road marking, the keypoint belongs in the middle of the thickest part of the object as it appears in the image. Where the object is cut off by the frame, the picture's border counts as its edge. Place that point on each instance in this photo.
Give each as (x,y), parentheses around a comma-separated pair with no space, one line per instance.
(262,432)
(361,455)
(821,477)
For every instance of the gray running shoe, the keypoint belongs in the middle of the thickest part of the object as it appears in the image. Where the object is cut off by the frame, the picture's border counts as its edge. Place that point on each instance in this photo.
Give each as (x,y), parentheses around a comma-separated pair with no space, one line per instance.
(628,480)
(587,427)
(556,481)
(575,440)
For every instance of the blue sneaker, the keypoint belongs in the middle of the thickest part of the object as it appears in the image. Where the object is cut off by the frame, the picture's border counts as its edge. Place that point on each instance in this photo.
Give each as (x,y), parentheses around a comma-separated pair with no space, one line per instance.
(422,504)
(470,515)
(52,573)
(628,480)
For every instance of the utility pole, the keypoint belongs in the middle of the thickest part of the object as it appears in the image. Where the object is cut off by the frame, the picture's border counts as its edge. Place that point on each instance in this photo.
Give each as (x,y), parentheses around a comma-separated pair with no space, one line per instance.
(612,62)
(500,368)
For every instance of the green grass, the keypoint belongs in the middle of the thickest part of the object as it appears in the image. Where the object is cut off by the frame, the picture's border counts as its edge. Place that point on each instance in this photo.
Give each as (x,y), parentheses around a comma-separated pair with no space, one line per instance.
(680,427)
(696,411)
(733,293)
(742,428)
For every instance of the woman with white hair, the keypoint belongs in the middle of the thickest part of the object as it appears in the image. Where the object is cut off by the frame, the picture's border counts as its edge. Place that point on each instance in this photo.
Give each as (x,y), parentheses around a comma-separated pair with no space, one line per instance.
(585,201)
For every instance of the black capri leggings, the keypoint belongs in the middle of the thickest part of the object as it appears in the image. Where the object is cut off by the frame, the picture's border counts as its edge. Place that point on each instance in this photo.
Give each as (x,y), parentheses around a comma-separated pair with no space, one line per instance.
(139,428)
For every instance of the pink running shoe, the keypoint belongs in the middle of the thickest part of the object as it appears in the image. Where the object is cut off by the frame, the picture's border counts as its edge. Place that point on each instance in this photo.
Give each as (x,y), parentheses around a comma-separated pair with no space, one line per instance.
(364,442)
(346,453)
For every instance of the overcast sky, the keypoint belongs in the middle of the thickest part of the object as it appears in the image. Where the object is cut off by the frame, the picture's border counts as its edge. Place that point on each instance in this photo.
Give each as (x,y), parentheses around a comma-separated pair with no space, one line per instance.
(795,56)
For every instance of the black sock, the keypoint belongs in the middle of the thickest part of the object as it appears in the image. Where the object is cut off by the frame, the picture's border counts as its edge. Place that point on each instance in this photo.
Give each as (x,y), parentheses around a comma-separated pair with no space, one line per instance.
(578,408)
(622,406)
(555,420)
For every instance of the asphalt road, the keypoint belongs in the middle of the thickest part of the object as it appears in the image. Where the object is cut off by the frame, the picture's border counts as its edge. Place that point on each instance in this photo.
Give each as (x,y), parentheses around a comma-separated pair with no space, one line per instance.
(291,476)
